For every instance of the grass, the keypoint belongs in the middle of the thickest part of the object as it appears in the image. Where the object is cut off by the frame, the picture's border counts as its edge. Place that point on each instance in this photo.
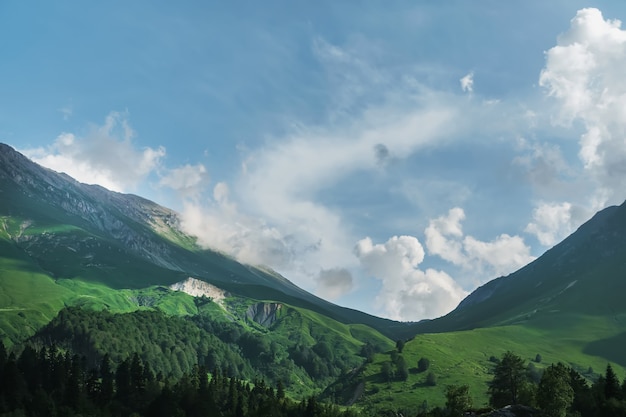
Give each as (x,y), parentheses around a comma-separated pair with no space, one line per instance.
(458,358)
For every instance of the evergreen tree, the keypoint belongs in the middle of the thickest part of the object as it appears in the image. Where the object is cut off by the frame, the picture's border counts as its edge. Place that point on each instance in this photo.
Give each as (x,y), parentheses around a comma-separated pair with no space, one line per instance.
(106,384)
(509,377)
(400,345)
(386,371)
(555,394)
(583,403)
(402,369)
(612,387)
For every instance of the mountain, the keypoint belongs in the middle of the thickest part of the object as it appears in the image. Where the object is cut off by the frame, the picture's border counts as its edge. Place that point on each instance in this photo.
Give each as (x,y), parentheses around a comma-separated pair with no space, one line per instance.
(566,306)
(584,275)
(52,225)
(99,272)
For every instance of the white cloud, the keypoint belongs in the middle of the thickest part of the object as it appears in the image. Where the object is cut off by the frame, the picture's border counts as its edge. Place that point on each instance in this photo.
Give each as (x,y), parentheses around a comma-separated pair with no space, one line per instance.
(584,72)
(446,239)
(280,182)
(218,224)
(333,283)
(407,293)
(552,222)
(467,83)
(105,156)
(188,180)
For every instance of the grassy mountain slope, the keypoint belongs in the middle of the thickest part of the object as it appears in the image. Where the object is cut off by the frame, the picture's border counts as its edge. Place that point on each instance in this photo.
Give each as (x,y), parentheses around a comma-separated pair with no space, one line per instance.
(585,274)
(566,306)
(113,255)
(66,230)
(586,343)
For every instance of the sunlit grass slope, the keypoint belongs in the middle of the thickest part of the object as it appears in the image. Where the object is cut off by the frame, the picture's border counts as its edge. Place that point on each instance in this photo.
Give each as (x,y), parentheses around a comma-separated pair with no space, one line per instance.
(465,357)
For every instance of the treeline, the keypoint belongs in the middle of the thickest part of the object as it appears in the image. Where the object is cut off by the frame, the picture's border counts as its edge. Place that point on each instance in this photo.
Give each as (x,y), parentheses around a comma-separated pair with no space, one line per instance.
(557,391)
(49,382)
(175,345)
(172,345)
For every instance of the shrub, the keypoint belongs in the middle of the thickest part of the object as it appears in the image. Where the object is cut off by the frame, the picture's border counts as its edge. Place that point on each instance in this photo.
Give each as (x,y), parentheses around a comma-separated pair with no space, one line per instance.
(431,379)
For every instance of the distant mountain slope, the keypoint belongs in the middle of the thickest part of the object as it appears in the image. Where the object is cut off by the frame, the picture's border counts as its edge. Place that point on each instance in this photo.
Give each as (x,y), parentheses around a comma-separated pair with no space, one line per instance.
(583,275)
(58,228)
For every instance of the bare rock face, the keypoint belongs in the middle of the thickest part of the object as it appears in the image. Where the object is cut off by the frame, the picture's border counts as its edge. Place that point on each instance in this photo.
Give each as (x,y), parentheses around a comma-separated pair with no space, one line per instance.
(198,288)
(124,217)
(264,313)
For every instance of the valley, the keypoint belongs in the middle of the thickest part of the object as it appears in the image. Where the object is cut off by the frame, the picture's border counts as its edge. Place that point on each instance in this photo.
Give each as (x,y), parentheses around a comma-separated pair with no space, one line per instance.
(94,273)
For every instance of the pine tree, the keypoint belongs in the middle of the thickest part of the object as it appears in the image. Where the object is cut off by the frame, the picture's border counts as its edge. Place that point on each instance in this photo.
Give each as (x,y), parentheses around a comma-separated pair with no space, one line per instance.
(106,384)
(612,387)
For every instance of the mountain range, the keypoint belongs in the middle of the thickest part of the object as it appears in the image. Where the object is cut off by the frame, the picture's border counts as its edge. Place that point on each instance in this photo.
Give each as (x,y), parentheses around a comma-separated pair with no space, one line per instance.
(68,248)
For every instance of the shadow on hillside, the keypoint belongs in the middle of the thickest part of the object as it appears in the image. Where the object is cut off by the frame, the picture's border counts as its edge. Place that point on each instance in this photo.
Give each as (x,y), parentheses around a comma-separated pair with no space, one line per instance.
(611,348)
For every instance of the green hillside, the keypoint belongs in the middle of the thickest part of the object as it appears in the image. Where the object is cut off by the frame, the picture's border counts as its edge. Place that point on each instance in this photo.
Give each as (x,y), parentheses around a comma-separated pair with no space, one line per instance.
(89,271)
(467,358)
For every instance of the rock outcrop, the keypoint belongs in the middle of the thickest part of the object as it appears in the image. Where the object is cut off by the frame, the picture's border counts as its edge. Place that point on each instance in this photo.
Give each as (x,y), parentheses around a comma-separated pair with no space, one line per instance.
(264,313)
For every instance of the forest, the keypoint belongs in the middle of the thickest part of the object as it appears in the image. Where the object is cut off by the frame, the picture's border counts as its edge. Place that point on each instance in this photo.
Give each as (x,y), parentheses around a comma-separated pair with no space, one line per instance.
(50,381)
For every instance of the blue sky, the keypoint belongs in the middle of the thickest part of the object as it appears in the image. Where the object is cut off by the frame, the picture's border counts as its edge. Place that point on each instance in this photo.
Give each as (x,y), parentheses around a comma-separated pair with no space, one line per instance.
(387,156)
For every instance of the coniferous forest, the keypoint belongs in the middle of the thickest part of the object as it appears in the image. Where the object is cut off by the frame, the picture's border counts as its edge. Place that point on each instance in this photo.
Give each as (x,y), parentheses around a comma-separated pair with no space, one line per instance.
(52,382)
(48,382)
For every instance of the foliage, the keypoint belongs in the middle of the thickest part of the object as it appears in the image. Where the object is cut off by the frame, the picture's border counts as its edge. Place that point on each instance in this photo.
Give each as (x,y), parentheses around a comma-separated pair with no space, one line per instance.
(423,364)
(555,394)
(508,379)
(51,383)
(458,399)
(612,387)
(431,379)
(402,369)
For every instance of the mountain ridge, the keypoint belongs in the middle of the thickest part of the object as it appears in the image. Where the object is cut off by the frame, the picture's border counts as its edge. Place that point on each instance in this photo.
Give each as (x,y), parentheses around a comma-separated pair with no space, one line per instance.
(107,223)
(598,243)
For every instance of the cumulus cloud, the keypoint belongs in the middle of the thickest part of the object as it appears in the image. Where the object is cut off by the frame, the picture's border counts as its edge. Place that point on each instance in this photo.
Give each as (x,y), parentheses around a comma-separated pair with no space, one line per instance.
(407,293)
(105,156)
(467,83)
(333,283)
(584,72)
(189,181)
(552,222)
(446,239)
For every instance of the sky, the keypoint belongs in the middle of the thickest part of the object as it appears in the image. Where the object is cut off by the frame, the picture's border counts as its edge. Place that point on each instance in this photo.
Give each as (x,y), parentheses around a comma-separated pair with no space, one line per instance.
(387,156)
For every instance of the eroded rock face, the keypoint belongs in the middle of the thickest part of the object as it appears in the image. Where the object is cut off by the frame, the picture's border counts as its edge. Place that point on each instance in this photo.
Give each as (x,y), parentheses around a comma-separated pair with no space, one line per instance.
(264,313)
